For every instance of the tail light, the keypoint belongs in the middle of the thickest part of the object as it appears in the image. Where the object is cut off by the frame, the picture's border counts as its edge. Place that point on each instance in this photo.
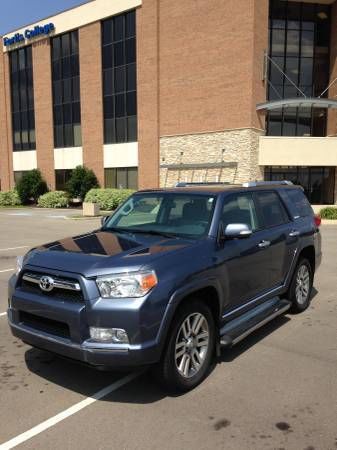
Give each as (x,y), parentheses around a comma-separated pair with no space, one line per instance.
(317,220)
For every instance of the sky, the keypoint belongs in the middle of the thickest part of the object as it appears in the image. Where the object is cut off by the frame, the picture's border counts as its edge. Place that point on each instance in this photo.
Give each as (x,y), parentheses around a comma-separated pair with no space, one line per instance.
(18,13)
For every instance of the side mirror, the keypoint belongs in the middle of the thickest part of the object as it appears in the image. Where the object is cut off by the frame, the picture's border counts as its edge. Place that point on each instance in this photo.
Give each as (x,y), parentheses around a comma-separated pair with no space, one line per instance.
(237,231)
(104,220)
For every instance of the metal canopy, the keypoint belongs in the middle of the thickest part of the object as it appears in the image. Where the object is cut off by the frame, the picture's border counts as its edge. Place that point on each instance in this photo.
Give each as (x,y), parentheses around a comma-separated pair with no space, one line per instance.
(298,102)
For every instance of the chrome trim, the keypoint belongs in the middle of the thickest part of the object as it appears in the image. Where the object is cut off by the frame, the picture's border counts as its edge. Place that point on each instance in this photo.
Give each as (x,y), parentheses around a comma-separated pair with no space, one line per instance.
(86,346)
(266,183)
(251,302)
(264,244)
(294,233)
(260,324)
(68,285)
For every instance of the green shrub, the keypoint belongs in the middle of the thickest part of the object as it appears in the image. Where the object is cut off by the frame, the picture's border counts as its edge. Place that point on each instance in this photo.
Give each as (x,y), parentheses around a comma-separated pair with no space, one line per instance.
(108,199)
(54,199)
(328,213)
(9,198)
(31,186)
(80,182)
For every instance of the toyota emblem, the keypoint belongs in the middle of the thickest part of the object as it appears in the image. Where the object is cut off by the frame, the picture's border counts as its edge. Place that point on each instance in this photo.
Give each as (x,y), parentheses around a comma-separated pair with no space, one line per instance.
(46,283)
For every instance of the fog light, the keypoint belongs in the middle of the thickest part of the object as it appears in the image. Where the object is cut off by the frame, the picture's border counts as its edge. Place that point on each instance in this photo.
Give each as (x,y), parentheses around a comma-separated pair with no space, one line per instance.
(116,335)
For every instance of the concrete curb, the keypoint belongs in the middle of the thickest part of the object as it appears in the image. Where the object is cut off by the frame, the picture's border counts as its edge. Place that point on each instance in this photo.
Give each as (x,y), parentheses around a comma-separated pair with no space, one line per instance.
(329,222)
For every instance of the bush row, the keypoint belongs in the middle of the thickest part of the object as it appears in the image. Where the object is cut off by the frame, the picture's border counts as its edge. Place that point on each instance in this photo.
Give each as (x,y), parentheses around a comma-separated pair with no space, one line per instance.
(54,199)
(108,199)
(10,198)
(32,186)
(83,184)
(329,213)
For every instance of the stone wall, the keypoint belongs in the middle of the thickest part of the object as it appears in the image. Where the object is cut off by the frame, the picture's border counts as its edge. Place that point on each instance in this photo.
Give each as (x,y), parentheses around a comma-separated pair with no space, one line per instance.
(231,154)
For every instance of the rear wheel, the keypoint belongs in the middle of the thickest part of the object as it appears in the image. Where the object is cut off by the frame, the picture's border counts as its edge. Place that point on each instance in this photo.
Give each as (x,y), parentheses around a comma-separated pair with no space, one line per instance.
(300,289)
(190,348)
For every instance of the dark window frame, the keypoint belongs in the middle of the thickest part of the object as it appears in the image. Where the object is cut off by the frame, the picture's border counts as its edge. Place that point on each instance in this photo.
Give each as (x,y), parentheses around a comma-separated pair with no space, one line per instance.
(311,121)
(66,90)
(297,174)
(119,78)
(22,99)
(113,173)
(65,174)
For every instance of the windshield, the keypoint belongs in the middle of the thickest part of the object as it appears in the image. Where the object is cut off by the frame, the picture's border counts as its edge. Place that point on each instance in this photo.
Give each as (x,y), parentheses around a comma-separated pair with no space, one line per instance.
(178,215)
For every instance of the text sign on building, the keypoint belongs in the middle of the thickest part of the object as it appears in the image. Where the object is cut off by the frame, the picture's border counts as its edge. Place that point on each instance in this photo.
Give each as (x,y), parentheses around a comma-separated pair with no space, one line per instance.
(29,33)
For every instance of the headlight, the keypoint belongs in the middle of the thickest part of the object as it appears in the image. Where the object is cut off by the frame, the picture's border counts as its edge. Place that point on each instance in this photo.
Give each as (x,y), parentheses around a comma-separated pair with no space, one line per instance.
(19,264)
(123,285)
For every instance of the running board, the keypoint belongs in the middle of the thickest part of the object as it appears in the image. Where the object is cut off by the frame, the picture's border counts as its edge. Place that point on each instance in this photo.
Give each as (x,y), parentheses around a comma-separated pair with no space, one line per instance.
(237,329)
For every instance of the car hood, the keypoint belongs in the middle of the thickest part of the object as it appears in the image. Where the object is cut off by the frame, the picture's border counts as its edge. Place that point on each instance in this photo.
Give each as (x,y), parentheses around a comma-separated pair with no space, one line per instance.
(101,252)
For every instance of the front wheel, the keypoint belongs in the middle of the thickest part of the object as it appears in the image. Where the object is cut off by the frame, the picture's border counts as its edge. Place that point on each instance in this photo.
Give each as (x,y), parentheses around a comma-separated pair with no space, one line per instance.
(300,289)
(190,347)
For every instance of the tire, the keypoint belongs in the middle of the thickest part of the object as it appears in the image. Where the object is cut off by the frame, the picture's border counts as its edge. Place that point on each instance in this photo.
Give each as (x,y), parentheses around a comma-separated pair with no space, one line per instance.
(170,369)
(299,293)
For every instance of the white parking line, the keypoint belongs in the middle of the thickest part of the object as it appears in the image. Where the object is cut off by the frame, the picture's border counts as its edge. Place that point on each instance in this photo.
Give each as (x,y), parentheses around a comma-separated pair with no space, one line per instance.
(12,248)
(3,314)
(6,270)
(67,413)
(19,214)
(56,217)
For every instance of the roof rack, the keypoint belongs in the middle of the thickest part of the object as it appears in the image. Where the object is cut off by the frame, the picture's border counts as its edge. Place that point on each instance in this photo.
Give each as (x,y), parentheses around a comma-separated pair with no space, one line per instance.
(266,183)
(206,183)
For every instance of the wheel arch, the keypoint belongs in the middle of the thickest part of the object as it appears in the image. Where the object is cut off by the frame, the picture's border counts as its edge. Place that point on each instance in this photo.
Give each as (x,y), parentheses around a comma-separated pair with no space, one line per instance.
(308,252)
(207,291)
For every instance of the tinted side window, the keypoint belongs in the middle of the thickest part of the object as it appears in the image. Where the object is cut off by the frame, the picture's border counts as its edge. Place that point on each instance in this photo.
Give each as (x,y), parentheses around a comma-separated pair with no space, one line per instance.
(240,208)
(272,210)
(297,202)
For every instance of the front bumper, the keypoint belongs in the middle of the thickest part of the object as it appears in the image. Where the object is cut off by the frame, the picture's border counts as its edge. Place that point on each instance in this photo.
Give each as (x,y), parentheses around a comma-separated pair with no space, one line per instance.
(107,355)
(140,324)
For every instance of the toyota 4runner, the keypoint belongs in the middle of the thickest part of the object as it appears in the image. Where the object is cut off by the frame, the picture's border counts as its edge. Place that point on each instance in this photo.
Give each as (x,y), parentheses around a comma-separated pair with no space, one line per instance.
(169,278)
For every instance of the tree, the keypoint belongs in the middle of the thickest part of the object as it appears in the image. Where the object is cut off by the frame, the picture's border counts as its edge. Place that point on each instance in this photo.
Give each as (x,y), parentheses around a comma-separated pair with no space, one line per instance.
(81,181)
(31,186)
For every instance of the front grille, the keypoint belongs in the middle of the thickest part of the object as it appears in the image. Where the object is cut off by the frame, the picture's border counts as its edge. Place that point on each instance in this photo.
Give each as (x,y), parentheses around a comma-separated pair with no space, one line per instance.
(49,326)
(33,287)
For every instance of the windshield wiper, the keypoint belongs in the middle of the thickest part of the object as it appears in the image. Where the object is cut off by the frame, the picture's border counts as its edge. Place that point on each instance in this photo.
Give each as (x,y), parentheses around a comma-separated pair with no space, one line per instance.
(154,232)
(116,230)
(134,230)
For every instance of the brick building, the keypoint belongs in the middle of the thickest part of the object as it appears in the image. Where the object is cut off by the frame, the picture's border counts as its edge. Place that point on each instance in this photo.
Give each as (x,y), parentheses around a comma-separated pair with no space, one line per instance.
(151,92)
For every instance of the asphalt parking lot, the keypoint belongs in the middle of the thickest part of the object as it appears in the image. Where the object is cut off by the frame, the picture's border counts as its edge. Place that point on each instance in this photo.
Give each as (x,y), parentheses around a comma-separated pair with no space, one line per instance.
(275,390)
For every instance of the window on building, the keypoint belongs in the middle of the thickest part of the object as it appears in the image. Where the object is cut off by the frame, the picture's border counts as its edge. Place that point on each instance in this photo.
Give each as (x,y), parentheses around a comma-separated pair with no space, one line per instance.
(18,175)
(66,90)
(22,92)
(318,182)
(119,78)
(121,177)
(62,176)
(299,39)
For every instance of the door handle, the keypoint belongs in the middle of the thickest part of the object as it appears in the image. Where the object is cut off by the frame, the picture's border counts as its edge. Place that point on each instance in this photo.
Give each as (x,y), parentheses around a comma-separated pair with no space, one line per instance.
(294,233)
(264,244)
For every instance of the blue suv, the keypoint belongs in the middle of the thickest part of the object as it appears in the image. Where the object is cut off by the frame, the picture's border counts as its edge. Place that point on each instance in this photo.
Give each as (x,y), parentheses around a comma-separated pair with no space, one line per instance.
(170,278)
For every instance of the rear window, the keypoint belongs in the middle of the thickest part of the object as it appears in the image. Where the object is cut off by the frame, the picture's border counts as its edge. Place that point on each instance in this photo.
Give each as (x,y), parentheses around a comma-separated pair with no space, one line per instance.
(272,209)
(297,203)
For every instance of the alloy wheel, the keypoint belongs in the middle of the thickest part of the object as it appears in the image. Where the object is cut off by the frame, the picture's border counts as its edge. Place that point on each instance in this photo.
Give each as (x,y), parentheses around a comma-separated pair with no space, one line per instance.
(192,345)
(302,285)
